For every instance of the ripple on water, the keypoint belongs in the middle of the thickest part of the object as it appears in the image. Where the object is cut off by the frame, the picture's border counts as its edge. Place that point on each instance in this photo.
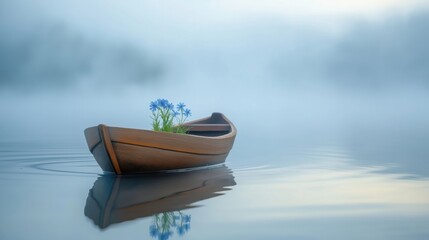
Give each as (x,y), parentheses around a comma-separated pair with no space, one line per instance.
(48,161)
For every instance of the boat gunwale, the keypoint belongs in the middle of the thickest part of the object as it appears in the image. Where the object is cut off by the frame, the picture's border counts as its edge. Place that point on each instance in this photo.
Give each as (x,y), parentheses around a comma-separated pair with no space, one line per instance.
(230,134)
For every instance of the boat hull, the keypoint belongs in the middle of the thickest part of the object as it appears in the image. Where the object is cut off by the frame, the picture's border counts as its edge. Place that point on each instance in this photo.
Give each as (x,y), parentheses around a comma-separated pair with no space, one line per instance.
(123,150)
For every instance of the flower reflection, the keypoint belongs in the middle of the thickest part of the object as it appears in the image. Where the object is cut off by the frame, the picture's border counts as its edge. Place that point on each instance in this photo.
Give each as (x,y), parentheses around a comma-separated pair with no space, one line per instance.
(164,223)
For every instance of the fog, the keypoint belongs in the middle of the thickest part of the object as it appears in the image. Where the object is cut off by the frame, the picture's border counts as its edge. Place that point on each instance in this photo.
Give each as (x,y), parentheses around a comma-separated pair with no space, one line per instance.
(375,46)
(283,72)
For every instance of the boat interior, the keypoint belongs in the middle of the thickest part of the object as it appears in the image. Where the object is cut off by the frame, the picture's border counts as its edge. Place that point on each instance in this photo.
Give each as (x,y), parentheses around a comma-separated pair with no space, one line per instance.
(214,126)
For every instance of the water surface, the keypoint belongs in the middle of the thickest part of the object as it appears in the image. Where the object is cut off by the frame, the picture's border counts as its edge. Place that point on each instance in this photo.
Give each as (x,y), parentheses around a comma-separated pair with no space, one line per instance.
(321,193)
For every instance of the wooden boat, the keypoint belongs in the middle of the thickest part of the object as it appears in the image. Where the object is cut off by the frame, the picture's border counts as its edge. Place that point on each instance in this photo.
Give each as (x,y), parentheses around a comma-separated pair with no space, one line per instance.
(115,199)
(124,150)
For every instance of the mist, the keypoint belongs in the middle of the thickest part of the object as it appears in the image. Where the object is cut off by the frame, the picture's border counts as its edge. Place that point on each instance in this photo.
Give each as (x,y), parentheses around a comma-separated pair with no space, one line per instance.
(323,77)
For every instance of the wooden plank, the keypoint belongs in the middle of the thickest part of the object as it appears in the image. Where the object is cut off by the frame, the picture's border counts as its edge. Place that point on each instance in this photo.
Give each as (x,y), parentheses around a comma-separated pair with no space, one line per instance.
(205,127)
(145,159)
(173,142)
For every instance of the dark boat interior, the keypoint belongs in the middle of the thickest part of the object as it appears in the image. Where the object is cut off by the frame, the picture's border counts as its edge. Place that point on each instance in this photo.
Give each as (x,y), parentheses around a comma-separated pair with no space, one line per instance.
(214,126)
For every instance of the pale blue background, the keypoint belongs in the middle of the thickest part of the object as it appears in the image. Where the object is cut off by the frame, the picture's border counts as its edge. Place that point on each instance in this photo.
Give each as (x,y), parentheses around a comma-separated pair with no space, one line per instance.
(330,99)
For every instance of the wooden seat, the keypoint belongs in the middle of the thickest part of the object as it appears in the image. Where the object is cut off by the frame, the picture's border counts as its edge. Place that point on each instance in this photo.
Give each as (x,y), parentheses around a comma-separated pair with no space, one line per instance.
(205,127)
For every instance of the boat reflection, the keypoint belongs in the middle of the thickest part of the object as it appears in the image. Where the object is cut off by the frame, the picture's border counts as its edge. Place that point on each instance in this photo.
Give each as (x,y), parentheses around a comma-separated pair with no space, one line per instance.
(118,198)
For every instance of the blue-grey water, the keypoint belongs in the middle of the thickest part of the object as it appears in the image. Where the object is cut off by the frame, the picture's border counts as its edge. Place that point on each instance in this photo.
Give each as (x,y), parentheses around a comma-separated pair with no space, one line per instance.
(305,192)
(330,99)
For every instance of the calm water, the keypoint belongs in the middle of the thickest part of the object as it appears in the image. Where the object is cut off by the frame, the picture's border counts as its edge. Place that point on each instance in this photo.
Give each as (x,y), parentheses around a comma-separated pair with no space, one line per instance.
(330,99)
(56,191)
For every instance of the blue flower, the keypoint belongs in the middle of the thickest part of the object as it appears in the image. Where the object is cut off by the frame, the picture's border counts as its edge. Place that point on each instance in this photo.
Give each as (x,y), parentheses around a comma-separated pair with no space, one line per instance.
(181,106)
(181,230)
(186,218)
(170,106)
(153,106)
(165,235)
(187,112)
(163,103)
(166,115)
(187,226)
(153,231)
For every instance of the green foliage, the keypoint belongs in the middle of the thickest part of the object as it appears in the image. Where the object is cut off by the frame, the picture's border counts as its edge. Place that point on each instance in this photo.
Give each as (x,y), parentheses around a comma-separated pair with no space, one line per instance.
(167,118)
